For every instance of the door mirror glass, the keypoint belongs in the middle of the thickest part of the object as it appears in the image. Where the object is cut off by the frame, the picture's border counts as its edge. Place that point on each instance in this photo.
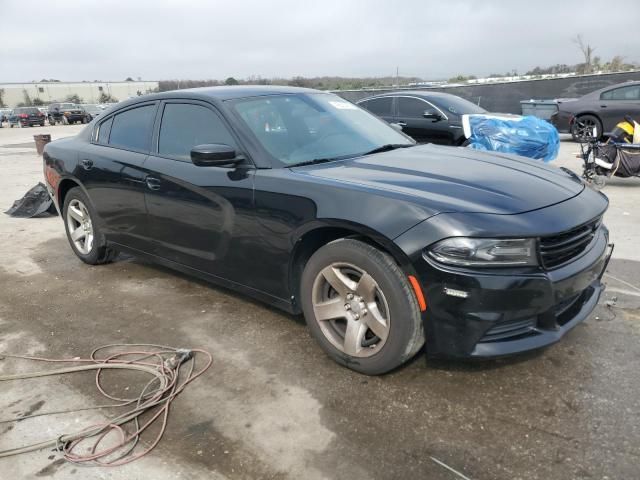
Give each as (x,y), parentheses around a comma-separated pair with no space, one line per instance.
(214,155)
(432,115)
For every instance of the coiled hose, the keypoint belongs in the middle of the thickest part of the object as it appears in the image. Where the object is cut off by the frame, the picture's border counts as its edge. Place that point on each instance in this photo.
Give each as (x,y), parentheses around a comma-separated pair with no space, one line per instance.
(163,363)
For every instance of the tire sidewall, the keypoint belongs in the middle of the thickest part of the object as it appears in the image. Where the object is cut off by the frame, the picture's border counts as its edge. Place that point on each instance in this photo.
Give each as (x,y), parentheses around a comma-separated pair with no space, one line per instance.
(404,313)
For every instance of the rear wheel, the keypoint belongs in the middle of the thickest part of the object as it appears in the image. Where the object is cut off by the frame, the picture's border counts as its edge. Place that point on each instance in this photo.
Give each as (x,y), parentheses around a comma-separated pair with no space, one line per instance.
(360,307)
(586,127)
(83,233)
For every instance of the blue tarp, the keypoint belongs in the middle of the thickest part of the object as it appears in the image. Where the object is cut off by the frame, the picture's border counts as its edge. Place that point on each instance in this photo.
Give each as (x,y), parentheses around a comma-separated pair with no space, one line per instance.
(527,136)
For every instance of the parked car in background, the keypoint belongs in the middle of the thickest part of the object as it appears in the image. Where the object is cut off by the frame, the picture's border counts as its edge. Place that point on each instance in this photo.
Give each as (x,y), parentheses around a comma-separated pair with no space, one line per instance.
(312,204)
(67,113)
(92,110)
(4,115)
(597,113)
(26,117)
(427,117)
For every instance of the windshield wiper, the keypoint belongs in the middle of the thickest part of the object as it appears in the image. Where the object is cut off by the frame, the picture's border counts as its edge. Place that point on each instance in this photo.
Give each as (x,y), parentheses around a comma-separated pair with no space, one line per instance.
(320,160)
(383,148)
(388,147)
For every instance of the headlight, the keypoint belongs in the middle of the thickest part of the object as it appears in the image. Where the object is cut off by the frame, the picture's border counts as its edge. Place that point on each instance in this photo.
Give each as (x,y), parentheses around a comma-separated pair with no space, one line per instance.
(485,252)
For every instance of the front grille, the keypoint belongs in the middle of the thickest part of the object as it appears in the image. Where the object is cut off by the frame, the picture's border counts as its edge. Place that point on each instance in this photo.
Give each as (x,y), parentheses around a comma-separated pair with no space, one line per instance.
(510,330)
(556,250)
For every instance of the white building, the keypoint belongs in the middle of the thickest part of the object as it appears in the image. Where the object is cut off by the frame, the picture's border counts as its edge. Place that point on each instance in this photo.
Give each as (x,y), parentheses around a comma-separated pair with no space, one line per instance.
(89,92)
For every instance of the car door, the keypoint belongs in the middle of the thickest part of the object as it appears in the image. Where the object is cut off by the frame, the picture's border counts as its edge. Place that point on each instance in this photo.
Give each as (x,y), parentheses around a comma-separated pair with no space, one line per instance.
(616,103)
(198,216)
(110,168)
(382,107)
(411,118)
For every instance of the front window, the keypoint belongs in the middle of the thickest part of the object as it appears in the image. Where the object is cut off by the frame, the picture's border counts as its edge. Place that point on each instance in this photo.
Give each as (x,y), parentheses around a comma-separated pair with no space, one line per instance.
(458,106)
(301,128)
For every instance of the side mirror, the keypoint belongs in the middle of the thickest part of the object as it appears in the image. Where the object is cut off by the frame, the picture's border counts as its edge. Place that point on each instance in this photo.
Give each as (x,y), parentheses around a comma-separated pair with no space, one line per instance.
(433,115)
(214,155)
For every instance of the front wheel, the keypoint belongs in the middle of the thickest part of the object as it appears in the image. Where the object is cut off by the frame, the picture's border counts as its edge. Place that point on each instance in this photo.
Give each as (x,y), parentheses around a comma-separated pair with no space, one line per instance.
(359,306)
(83,233)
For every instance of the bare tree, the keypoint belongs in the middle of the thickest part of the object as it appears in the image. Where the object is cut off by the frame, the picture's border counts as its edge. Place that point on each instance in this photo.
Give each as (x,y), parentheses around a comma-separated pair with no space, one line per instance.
(617,63)
(587,50)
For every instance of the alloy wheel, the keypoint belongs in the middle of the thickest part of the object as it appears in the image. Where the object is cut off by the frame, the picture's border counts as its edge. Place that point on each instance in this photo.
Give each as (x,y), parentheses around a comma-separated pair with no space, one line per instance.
(80,226)
(583,128)
(351,309)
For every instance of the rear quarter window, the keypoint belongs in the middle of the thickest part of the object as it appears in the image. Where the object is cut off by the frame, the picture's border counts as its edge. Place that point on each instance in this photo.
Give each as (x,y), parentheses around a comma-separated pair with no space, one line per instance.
(102,135)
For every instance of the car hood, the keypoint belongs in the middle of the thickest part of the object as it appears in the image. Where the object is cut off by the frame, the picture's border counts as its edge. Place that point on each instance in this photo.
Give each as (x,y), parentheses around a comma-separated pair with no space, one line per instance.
(454,179)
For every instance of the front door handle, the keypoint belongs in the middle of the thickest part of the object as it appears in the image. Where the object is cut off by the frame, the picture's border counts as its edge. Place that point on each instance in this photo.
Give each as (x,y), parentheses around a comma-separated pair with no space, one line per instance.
(152,183)
(87,164)
(402,124)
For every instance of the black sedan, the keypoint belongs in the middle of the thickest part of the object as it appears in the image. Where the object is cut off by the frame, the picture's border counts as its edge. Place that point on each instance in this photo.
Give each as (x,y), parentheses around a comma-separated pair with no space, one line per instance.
(427,117)
(309,203)
(597,113)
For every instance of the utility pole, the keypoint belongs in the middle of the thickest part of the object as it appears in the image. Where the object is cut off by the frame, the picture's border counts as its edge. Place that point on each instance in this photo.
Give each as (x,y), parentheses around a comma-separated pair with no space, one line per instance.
(397,77)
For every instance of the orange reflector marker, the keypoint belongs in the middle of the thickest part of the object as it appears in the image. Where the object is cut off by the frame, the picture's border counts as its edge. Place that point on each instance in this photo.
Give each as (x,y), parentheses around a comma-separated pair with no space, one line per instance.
(422,303)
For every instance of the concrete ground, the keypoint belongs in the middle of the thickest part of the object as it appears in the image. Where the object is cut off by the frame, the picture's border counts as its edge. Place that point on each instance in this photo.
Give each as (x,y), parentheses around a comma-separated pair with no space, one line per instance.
(273,406)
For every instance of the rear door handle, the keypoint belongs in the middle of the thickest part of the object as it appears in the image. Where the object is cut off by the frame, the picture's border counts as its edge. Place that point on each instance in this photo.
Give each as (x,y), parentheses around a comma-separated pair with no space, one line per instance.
(87,164)
(152,183)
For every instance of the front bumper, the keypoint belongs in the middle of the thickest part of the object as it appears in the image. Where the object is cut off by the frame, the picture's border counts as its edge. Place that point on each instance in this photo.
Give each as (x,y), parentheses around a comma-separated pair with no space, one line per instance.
(507,313)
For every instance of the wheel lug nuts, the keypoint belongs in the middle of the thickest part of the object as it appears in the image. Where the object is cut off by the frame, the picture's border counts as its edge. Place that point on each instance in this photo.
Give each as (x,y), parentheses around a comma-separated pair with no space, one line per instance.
(356,316)
(347,306)
(349,296)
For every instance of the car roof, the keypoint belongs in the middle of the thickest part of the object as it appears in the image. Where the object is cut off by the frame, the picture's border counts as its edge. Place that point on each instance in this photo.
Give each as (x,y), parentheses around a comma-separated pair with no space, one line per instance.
(412,93)
(221,93)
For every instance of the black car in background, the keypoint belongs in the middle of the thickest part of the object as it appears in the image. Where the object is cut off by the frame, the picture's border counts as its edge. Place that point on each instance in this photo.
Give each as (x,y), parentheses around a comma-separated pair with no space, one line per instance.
(26,117)
(427,117)
(67,113)
(598,111)
(306,201)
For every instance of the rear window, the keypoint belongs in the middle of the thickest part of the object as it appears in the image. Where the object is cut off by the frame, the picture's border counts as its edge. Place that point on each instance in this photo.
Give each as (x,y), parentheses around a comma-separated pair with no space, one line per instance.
(132,129)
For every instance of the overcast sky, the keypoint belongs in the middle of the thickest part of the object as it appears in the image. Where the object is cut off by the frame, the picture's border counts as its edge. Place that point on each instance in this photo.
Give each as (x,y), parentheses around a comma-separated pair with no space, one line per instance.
(204,39)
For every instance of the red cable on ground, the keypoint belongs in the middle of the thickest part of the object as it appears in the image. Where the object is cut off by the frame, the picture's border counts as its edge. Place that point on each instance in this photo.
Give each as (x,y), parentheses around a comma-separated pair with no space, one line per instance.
(164,363)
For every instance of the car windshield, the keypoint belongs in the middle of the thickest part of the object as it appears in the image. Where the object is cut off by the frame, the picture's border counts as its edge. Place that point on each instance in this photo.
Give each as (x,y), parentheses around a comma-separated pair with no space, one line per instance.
(91,108)
(302,128)
(457,105)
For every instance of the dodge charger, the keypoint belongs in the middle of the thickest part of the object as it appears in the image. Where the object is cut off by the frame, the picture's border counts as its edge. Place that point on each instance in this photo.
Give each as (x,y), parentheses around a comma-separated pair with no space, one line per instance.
(305,201)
